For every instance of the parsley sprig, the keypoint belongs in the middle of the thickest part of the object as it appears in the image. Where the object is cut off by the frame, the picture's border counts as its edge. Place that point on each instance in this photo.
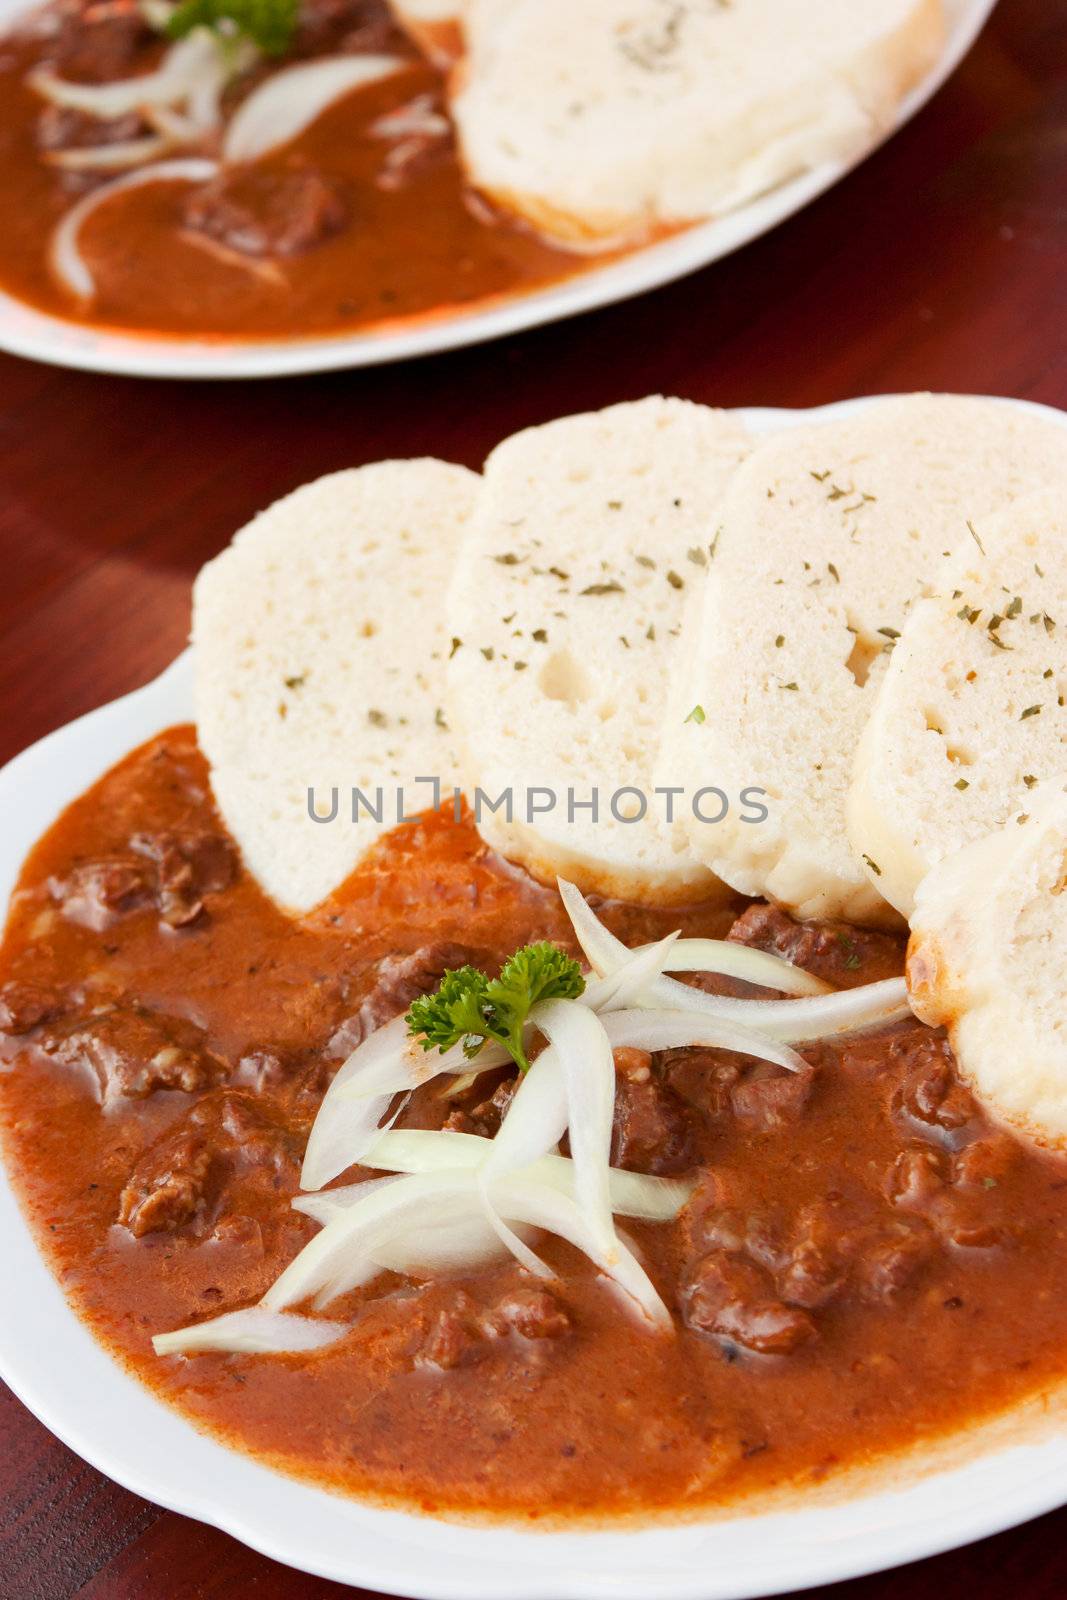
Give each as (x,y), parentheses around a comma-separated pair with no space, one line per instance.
(470,1007)
(268,23)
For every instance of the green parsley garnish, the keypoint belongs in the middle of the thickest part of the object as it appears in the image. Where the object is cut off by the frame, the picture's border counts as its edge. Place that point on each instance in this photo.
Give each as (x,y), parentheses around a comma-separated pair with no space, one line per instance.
(469,1008)
(269,24)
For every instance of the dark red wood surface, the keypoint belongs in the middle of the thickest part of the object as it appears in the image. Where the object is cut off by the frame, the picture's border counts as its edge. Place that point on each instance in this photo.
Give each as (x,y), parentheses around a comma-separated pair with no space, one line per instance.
(940,264)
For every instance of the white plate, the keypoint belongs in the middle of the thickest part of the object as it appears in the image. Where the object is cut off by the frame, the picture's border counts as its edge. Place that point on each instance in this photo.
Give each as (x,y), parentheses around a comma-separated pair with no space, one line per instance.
(27,332)
(70,1382)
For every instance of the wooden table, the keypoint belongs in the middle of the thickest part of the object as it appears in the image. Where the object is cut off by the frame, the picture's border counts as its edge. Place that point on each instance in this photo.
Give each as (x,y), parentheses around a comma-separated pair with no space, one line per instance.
(939,264)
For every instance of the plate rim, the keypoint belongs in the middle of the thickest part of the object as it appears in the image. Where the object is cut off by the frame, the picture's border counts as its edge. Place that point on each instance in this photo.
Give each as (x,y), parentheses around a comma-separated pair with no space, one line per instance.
(54,1364)
(39,336)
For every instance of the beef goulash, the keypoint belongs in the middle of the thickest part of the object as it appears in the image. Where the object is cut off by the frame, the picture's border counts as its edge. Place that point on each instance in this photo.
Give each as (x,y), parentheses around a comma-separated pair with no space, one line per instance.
(273,168)
(452,1185)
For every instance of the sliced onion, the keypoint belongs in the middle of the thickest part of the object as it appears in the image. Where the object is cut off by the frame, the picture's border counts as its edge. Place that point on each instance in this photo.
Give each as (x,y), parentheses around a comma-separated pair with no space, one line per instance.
(435,1246)
(633,1194)
(796,1021)
(625,986)
(157,13)
(416,120)
(117,157)
(646,1029)
(824,1016)
(578,1037)
(380,1066)
(458,1086)
(290,101)
(511,1239)
(65,259)
(342,1256)
(442,1244)
(424,1150)
(324,1204)
(268,272)
(254,1331)
(522,1199)
(728,959)
(536,1119)
(192,61)
(174,125)
(723,956)
(388,1062)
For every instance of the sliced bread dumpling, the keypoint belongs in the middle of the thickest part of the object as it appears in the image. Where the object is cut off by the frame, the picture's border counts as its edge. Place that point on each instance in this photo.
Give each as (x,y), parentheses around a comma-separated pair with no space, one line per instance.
(319,643)
(972,709)
(564,615)
(603,121)
(829,535)
(985,961)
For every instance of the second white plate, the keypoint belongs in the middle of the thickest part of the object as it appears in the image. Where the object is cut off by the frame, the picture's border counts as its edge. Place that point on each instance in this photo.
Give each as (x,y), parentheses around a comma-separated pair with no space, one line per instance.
(28,332)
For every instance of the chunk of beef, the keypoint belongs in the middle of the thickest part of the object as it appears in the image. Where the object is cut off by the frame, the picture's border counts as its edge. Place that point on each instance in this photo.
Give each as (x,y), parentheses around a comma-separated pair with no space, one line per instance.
(708,1225)
(968,1217)
(400,980)
(817,1257)
(916,1178)
(890,1260)
(262,212)
(453,1340)
(188,867)
(132,1052)
(733,1300)
(531,1313)
(653,1129)
(221,1162)
(167,1189)
(463,1332)
(768,1098)
(98,893)
(96,43)
(704,1079)
(63,128)
(171,872)
(921,1180)
(25,1006)
(483,1118)
(696,1219)
(965,1230)
(351,26)
(841,955)
(931,1094)
(986,1162)
(419,137)
(295,1080)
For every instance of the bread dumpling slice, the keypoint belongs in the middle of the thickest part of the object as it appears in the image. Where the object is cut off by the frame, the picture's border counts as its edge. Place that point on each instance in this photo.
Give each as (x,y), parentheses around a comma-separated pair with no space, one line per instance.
(985,961)
(972,709)
(830,535)
(564,615)
(602,121)
(319,642)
